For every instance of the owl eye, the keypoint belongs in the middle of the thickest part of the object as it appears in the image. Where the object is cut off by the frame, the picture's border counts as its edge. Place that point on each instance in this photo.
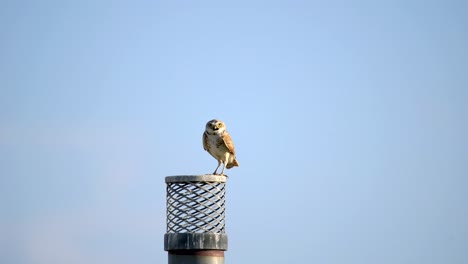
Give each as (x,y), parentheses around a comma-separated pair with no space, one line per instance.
(219,125)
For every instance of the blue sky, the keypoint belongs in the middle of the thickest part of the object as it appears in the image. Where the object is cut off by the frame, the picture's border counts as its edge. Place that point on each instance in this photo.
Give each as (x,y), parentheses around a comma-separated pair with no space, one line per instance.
(349,119)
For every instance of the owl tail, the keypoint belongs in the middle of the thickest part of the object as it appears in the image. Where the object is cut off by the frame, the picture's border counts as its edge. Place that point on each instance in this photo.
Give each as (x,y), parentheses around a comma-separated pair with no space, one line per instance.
(234,163)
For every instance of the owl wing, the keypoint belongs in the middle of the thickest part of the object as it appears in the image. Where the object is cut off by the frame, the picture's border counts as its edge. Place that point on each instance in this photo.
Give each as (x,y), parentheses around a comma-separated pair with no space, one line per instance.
(205,141)
(228,143)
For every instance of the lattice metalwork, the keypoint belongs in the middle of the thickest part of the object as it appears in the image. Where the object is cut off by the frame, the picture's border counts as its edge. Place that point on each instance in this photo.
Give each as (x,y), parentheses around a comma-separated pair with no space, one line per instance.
(196,206)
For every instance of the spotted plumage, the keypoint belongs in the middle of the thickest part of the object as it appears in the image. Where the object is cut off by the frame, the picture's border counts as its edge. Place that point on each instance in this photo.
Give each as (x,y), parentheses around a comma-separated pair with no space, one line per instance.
(218,142)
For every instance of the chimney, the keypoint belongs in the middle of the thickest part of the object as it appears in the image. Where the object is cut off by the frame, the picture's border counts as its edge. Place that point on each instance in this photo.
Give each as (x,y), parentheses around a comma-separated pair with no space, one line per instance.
(195,217)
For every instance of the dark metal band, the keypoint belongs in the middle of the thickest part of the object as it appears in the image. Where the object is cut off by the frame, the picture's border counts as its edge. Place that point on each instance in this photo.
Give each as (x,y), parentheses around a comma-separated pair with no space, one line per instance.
(205,253)
(195,241)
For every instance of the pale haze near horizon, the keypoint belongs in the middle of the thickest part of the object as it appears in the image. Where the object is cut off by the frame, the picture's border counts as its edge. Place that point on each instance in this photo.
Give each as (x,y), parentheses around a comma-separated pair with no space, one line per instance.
(349,120)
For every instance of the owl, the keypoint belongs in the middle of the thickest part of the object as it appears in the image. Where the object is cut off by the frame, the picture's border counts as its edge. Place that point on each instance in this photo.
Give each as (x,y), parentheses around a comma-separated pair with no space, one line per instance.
(218,142)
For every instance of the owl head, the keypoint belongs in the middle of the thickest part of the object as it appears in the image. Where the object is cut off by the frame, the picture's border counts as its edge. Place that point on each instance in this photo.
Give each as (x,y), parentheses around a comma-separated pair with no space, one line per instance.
(215,126)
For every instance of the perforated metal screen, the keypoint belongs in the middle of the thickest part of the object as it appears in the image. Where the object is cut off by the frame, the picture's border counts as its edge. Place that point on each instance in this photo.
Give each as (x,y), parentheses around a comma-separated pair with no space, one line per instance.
(195,205)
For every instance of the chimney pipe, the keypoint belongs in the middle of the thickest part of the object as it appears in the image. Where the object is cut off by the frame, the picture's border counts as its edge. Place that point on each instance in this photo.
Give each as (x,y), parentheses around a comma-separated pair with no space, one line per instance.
(195,218)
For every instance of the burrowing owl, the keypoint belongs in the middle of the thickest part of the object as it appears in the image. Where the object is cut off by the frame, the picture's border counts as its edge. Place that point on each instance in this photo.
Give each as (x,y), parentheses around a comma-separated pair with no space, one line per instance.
(218,142)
